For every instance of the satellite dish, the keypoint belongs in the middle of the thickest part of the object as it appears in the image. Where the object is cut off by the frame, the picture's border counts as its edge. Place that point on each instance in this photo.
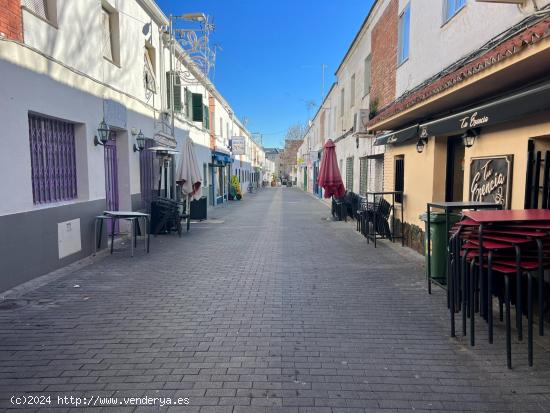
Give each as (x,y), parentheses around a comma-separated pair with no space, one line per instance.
(146,29)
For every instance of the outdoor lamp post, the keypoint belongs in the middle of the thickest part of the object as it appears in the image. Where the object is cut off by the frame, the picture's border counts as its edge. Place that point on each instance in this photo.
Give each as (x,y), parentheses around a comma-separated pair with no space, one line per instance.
(103,131)
(140,142)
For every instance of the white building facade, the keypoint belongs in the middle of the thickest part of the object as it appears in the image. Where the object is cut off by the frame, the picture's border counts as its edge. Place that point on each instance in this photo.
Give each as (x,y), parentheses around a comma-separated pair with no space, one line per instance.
(72,66)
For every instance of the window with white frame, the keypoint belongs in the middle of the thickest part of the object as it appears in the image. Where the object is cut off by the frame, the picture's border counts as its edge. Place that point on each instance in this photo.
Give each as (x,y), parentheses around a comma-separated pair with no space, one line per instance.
(342,97)
(111,39)
(352,91)
(45,9)
(452,7)
(149,68)
(367,76)
(404,33)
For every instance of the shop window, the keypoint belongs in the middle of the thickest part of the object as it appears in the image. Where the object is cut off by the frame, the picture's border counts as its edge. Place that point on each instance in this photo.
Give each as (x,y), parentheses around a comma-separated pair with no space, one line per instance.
(349,173)
(53,159)
(363,175)
(452,7)
(404,32)
(205,175)
(111,37)
(399,177)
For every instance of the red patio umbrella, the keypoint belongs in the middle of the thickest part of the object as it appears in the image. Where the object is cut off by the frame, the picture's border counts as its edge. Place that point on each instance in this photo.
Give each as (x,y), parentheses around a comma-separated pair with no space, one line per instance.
(329,175)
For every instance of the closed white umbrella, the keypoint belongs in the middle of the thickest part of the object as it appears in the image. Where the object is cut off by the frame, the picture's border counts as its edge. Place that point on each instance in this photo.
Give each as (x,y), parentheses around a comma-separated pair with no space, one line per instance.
(188,174)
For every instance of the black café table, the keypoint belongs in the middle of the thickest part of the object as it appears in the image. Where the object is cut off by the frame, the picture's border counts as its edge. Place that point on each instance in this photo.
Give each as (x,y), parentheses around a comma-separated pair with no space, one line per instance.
(449,207)
(115,215)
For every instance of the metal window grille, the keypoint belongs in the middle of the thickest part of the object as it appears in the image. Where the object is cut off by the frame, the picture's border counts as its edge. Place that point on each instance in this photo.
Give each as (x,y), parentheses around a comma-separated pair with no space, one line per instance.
(399,179)
(53,160)
(349,173)
(107,44)
(363,175)
(38,7)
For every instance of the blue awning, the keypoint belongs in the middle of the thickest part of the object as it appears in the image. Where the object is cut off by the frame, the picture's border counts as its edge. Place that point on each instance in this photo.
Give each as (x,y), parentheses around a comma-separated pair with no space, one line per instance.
(220,157)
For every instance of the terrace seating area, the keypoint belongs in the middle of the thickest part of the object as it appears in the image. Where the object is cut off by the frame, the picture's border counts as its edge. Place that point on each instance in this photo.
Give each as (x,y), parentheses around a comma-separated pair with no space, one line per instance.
(502,254)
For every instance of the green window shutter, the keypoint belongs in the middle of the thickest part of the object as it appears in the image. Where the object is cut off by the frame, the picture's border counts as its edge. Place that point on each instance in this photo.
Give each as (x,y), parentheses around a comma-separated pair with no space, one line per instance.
(176,90)
(177,94)
(168,93)
(197,107)
(186,102)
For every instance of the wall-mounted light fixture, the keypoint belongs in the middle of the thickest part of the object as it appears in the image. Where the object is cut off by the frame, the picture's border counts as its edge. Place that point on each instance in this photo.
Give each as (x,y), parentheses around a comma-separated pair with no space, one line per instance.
(469,137)
(140,142)
(103,132)
(421,144)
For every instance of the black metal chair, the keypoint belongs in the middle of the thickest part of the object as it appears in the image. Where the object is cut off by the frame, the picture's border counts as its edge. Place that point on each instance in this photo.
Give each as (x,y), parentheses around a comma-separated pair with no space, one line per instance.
(338,209)
(377,218)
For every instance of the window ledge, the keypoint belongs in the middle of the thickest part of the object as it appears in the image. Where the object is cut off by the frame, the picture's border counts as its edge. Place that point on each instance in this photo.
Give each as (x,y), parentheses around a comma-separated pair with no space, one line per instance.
(113,62)
(51,23)
(445,21)
(399,64)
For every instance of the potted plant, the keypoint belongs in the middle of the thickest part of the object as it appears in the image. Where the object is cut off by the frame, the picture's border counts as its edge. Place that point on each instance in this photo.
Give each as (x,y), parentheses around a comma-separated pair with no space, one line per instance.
(235,191)
(373,108)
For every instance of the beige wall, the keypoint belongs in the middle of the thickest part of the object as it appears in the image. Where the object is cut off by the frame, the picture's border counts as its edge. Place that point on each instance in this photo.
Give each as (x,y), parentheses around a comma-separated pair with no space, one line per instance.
(424,176)
(512,140)
(425,173)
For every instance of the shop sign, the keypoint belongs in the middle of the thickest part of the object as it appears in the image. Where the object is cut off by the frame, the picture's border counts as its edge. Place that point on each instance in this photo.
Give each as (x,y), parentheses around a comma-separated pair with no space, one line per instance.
(473,121)
(313,156)
(490,179)
(114,113)
(238,145)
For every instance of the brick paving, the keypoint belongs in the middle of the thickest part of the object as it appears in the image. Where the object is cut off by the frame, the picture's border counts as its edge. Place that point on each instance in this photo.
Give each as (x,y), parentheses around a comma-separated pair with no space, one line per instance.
(267,308)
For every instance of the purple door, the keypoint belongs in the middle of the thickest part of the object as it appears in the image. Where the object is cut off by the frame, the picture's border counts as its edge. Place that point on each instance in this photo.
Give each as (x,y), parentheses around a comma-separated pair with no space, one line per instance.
(111,175)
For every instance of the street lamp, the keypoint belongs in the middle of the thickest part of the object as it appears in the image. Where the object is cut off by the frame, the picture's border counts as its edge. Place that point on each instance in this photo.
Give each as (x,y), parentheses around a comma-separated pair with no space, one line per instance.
(103,131)
(140,140)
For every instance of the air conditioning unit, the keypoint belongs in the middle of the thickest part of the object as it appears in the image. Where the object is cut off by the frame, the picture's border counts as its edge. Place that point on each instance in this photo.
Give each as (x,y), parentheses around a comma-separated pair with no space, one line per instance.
(503,1)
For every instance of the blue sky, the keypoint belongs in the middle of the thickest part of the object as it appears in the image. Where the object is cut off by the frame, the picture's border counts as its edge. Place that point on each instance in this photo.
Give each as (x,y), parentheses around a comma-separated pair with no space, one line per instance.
(272,54)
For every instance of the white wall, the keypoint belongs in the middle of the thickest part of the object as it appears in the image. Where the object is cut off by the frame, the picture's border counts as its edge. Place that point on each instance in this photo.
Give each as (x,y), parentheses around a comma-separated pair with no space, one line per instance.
(435,44)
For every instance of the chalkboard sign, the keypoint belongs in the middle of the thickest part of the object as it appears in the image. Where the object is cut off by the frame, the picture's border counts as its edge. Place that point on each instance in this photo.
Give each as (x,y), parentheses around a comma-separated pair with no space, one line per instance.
(491,179)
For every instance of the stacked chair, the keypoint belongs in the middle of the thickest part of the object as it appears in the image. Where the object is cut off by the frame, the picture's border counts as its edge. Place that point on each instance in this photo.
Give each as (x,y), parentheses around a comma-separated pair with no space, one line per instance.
(495,254)
(373,218)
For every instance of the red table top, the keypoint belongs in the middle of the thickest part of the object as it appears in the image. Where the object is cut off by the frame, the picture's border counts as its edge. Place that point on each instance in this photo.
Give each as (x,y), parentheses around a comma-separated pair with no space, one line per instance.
(509,215)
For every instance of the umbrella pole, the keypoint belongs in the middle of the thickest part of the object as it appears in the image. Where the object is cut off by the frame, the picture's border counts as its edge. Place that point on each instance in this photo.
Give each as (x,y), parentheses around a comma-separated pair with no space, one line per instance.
(188,211)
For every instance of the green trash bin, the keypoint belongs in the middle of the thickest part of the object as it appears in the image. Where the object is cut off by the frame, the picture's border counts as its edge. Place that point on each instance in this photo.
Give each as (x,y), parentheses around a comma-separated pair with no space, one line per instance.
(438,238)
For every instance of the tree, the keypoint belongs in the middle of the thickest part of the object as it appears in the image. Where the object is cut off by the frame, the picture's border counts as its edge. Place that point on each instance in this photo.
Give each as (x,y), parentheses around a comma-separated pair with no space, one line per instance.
(296,132)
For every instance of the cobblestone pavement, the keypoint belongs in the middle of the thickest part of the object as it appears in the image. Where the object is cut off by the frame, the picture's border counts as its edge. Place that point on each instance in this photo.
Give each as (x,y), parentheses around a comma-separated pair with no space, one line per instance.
(268,307)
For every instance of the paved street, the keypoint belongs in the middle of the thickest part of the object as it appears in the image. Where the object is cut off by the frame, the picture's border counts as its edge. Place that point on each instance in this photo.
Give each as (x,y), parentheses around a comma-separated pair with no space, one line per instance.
(266,307)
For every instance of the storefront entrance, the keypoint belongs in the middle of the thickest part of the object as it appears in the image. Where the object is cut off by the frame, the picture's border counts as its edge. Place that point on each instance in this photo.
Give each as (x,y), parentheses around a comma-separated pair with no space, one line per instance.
(454,182)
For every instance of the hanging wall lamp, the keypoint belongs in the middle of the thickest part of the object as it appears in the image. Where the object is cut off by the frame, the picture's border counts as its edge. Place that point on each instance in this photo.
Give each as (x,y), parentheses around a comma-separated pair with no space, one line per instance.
(140,142)
(469,137)
(421,144)
(103,132)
